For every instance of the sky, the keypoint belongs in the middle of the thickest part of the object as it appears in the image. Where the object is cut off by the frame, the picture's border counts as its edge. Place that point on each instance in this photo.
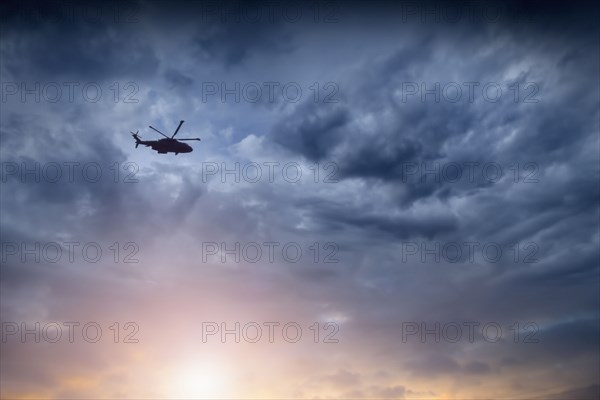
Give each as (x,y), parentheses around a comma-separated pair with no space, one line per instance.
(389,200)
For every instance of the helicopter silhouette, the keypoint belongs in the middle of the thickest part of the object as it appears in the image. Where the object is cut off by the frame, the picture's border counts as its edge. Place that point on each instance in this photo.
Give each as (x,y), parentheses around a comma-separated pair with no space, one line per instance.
(166,145)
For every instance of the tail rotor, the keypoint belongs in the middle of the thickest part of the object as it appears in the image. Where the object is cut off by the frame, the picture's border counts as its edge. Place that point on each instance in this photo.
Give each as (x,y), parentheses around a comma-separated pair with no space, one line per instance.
(136,136)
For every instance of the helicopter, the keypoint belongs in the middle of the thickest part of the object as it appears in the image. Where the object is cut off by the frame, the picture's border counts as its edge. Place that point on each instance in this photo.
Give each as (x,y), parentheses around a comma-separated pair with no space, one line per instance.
(166,145)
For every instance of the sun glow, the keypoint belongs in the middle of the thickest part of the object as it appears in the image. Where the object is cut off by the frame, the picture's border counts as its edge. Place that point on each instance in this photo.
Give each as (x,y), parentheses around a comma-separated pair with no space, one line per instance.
(200,381)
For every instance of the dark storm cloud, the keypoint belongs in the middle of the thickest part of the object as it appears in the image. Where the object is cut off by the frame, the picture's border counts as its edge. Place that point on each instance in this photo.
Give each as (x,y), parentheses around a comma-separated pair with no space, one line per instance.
(312,131)
(426,131)
(177,79)
(79,42)
(232,43)
(400,227)
(417,132)
(412,132)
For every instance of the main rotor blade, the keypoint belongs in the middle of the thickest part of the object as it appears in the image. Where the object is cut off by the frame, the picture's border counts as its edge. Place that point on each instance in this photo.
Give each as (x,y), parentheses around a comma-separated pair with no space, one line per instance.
(159,132)
(177,130)
(190,139)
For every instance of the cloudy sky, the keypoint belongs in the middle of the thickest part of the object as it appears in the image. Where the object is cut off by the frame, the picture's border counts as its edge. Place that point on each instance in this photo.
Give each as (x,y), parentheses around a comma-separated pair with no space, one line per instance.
(392,200)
